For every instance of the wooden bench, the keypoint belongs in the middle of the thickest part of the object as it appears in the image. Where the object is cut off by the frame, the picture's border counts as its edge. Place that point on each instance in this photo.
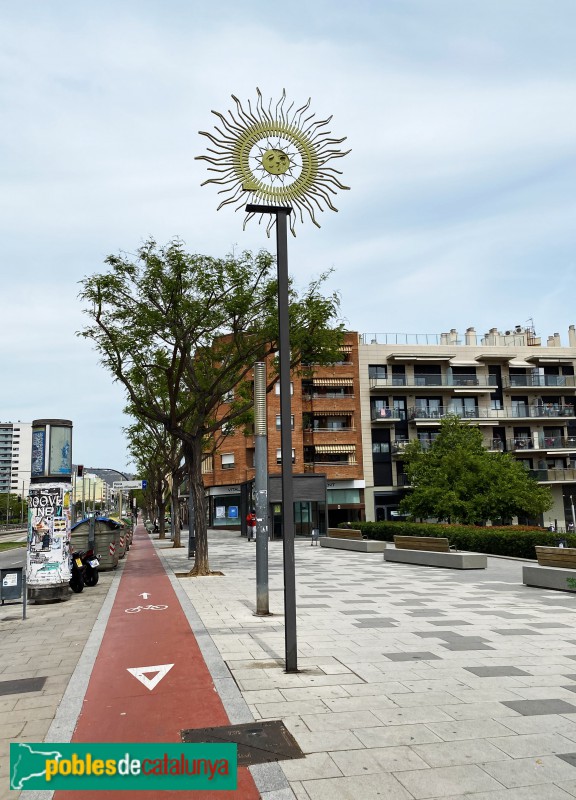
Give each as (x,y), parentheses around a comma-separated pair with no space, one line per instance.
(437,544)
(432,551)
(344,533)
(556,569)
(556,556)
(351,539)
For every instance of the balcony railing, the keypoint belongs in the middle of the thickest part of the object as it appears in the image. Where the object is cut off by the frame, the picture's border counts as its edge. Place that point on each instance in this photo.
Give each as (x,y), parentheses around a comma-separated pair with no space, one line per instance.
(327,396)
(520,411)
(387,414)
(399,446)
(329,430)
(539,442)
(538,381)
(554,475)
(311,465)
(446,381)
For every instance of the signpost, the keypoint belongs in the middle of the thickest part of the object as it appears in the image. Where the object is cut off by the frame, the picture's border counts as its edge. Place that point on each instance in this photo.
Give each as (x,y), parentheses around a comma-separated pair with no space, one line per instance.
(129,484)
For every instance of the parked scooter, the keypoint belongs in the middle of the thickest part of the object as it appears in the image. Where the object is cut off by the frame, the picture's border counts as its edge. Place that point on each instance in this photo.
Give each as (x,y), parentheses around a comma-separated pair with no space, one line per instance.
(84,570)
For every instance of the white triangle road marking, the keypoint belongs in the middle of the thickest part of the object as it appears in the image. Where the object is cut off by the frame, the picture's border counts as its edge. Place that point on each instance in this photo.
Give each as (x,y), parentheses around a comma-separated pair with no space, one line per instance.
(140,674)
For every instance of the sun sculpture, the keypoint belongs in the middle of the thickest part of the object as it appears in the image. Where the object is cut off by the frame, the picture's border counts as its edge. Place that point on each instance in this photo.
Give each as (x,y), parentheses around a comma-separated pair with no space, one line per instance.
(278,156)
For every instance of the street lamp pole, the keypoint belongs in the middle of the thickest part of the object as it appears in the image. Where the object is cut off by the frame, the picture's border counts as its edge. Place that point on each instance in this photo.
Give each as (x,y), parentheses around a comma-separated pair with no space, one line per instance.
(282,213)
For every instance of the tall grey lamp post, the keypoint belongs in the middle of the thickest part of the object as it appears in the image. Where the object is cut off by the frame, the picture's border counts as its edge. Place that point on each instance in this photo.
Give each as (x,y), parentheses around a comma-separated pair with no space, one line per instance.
(277,157)
(261,489)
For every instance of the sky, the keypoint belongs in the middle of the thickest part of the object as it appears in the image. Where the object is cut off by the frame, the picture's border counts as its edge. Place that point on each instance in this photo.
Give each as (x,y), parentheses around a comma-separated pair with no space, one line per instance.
(460,116)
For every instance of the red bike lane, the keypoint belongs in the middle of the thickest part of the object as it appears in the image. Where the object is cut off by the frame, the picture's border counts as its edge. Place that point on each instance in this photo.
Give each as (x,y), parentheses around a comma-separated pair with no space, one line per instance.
(147,629)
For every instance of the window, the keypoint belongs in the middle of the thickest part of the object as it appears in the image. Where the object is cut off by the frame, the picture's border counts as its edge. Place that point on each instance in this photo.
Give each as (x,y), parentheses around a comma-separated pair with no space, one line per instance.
(380,447)
(228,396)
(227,429)
(227,460)
(279,456)
(279,423)
(277,387)
(377,371)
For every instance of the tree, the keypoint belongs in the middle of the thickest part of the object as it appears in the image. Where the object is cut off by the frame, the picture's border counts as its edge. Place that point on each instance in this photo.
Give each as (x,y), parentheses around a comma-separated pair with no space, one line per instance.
(159,454)
(458,480)
(180,332)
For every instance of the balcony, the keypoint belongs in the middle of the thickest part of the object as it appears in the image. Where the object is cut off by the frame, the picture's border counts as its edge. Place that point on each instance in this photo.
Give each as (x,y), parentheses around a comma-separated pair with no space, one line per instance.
(477,382)
(387,414)
(398,447)
(554,475)
(540,442)
(329,430)
(322,466)
(520,411)
(539,382)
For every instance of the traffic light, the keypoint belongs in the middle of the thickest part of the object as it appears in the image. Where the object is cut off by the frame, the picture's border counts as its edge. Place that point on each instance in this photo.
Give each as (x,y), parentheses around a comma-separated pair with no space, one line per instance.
(80,470)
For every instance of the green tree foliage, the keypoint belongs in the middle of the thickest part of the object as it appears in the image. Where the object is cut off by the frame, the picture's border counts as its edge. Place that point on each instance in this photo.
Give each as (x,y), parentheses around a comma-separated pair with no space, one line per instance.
(158,455)
(458,480)
(181,331)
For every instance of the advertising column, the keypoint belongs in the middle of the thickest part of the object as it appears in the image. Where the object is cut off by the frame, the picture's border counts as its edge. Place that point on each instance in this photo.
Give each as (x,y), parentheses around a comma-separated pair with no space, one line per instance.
(49,511)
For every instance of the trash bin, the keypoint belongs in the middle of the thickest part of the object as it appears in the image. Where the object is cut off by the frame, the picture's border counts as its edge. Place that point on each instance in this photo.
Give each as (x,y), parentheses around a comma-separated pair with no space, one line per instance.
(107,540)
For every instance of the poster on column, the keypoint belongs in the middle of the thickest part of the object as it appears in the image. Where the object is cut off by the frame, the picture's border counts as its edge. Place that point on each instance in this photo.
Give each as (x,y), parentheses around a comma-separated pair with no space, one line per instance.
(48,557)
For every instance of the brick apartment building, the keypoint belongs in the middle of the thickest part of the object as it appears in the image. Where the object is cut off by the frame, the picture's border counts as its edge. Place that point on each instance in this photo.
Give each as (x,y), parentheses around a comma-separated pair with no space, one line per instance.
(326,441)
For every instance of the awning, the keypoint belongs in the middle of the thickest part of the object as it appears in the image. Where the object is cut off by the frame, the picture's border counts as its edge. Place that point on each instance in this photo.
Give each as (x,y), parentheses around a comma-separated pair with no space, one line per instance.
(519,362)
(333,381)
(335,448)
(345,348)
(460,362)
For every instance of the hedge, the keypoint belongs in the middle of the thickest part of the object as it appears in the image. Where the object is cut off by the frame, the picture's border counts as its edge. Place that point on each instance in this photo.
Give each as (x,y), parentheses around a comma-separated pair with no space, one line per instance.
(517,541)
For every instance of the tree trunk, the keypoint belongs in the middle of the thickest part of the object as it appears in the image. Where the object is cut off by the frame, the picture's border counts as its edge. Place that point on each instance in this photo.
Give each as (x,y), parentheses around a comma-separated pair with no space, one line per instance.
(174,510)
(193,458)
(160,512)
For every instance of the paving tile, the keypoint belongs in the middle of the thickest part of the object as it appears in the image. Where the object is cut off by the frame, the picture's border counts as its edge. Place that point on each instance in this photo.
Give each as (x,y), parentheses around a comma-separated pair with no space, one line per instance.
(469,729)
(484,710)
(545,706)
(314,766)
(530,771)
(533,744)
(368,787)
(347,720)
(394,735)
(444,781)
(453,753)
(378,759)
(492,672)
(414,656)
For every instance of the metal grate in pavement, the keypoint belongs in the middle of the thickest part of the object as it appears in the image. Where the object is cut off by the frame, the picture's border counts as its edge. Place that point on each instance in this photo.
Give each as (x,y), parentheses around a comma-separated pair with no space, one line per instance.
(22,685)
(258,742)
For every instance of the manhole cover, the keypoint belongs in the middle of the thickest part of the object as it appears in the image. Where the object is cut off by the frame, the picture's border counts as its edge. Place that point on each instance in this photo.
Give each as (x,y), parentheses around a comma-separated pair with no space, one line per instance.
(22,685)
(258,742)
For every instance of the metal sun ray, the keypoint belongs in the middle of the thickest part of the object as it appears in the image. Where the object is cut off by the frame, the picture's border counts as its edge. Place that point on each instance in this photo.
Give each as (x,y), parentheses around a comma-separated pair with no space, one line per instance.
(298,149)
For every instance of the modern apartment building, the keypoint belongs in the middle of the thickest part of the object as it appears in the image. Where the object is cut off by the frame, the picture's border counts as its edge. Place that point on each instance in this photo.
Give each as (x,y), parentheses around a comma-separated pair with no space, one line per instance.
(326,441)
(521,392)
(351,421)
(15,457)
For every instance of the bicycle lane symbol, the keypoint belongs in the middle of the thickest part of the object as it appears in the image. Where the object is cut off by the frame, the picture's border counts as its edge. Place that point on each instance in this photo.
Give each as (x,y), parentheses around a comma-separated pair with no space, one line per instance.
(138,609)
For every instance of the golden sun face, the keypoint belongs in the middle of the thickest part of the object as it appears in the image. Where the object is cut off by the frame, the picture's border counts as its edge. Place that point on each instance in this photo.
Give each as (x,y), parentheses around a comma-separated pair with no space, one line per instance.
(278,156)
(276,162)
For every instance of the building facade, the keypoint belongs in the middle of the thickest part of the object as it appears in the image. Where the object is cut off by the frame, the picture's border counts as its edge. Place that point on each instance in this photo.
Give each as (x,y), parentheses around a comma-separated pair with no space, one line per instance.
(326,441)
(520,392)
(15,457)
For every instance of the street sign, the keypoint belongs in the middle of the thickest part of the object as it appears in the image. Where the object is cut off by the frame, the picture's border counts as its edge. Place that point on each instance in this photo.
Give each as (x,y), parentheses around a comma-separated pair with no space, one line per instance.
(144,484)
(128,485)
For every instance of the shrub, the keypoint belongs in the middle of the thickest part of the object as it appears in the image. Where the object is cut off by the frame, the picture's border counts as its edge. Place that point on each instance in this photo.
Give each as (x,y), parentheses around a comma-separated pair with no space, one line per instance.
(517,541)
